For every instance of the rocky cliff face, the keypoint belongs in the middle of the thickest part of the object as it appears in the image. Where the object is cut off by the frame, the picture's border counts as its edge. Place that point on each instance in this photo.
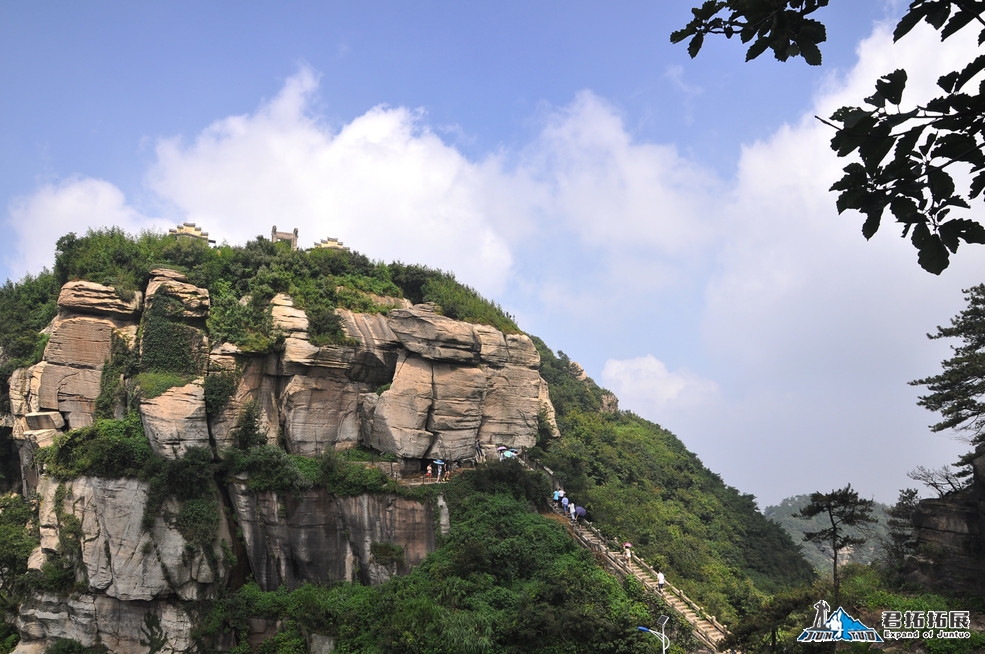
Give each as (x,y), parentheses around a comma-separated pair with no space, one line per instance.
(950,540)
(413,383)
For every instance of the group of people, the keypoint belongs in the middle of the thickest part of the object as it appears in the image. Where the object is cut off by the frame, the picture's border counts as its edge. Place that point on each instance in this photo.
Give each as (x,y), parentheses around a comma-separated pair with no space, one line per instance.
(567,505)
(443,472)
(568,508)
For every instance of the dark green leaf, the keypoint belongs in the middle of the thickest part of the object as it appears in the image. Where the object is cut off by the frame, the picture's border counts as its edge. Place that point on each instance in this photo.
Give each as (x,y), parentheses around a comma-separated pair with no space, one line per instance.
(892,85)
(961,228)
(905,209)
(941,183)
(958,21)
(938,13)
(810,52)
(932,254)
(757,48)
(695,45)
(977,185)
(907,23)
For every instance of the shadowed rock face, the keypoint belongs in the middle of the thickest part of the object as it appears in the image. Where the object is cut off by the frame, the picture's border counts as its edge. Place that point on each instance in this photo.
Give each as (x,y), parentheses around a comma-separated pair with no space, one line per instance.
(319,537)
(950,539)
(417,384)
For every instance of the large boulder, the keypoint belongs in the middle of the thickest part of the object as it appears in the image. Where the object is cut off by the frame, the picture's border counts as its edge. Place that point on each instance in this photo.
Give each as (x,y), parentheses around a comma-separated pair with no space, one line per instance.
(510,409)
(71,391)
(320,412)
(431,336)
(96,299)
(91,619)
(286,317)
(121,558)
(456,412)
(175,420)
(194,300)
(401,413)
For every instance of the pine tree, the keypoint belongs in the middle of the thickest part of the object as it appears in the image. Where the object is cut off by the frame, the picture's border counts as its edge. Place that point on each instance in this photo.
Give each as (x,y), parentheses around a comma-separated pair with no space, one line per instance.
(957,393)
(843,508)
(899,541)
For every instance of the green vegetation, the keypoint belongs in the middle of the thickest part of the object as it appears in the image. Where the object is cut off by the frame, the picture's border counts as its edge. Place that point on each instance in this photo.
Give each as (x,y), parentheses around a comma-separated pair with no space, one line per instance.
(107,448)
(124,362)
(840,510)
(219,388)
(26,308)
(17,541)
(168,345)
(639,483)
(774,625)
(69,646)
(958,393)
(504,580)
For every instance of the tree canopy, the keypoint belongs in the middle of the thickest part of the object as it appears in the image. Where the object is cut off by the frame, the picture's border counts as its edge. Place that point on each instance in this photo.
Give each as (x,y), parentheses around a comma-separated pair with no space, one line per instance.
(922,161)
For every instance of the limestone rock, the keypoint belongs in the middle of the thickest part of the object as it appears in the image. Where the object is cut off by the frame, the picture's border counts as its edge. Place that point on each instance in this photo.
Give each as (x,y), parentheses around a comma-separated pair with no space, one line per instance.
(195,300)
(258,382)
(175,420)
(71,391)
(523,352)
(121,558)
(286,317)
(89,619)
(370,365)
(492,345)
(510,407)
(44,420)
(25,385)
(224,358)
(372,329)
(320,413)
(434,337)
(80,342)
(317,537)
(400,418)
(96,299)
(457,410)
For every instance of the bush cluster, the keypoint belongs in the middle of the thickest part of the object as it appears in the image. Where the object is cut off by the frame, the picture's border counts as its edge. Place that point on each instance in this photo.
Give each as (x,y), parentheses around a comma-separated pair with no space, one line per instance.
(107,448)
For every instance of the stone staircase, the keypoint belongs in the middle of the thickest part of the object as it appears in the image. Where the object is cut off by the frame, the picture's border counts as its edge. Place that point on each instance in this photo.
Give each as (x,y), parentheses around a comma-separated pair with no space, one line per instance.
(707,630)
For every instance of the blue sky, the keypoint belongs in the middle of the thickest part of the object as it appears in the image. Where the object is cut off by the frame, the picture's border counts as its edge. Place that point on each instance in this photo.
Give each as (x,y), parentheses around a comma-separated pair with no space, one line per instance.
(664,221)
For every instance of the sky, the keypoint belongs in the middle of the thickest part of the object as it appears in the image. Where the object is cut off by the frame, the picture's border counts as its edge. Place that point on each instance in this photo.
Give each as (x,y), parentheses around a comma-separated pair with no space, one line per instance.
(663,221)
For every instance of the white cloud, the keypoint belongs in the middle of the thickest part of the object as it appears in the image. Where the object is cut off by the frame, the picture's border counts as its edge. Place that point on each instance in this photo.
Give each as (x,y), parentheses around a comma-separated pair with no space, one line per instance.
(646,383)
(618,194)
(383,183)
(73,205)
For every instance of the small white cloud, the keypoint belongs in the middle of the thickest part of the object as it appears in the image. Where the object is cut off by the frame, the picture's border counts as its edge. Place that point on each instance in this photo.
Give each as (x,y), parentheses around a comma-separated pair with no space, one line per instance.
(645,385)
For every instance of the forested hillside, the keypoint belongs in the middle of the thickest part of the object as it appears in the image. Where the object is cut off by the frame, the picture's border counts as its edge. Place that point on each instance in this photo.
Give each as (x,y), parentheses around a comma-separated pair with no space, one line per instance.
(504,578)
(641,484)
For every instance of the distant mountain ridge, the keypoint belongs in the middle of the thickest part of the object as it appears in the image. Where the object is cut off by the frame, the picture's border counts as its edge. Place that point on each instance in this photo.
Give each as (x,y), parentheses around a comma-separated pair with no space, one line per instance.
(817,555)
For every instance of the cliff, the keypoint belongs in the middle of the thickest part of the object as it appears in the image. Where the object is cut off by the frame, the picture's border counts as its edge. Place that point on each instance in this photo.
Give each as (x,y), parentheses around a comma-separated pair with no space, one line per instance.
(410,385)
(949,539)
